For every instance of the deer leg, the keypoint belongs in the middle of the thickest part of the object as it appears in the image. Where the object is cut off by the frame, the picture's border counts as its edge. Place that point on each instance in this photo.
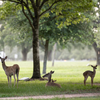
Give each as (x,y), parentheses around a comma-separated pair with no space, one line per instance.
(85,78)
(8,79)
(17,79)
(14,80)
(92,81)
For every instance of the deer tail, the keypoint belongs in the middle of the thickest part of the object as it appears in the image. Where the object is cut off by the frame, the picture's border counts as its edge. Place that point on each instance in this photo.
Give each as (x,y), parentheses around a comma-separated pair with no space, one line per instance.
(17,69)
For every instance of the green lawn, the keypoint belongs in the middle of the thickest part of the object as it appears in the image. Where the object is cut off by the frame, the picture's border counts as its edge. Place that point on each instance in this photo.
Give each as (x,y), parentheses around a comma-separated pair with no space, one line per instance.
(68,75)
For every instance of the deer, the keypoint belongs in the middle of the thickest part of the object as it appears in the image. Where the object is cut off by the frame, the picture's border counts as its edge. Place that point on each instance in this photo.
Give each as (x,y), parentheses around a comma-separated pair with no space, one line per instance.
(90,73)
(10,70)
(49,75)
(51,82)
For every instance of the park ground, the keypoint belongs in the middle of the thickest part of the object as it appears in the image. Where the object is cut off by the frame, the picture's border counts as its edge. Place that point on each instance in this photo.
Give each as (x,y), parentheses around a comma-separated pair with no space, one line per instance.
(68,75)
(94,96)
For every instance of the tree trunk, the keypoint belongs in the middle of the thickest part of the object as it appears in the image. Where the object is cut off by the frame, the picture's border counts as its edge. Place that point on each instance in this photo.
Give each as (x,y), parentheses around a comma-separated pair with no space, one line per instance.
(36,60)
(45,56)
(24,53)
(97,50)
(49,55)
(34,22)
(53,54)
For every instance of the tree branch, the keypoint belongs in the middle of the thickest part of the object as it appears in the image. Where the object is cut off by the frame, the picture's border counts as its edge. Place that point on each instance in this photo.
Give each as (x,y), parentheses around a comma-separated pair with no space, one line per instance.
(26,14)
(43,2)
(51,19)
(48,20)
(37,3)
(33,5)
(48,9)
(42,42)
(18,1)
(27,6)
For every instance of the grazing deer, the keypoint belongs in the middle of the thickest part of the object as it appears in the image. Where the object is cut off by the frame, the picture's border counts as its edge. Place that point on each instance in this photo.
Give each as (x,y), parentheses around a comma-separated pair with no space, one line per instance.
(10,70)
(51,82)
(90,73)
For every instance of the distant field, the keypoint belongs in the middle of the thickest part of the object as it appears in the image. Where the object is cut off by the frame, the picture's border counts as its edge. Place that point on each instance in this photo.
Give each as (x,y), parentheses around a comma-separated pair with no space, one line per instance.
(68,75)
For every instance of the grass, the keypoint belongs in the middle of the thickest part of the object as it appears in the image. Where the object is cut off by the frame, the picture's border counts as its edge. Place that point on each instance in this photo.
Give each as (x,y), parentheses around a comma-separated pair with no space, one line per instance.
(68,75)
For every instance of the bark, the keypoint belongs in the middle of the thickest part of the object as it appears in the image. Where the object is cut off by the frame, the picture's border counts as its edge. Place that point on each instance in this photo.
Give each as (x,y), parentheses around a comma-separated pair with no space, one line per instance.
(49,55)
(97,50)
(34,23)
(45,56)
(36,60)
(24,53)
(53,54)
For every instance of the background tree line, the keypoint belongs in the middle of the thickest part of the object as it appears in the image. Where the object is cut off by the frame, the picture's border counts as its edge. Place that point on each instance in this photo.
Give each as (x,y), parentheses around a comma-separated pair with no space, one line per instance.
(86,53)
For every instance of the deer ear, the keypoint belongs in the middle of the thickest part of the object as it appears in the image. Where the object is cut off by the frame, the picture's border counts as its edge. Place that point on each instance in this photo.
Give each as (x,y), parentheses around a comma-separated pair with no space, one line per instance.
(6,57)
(92,66)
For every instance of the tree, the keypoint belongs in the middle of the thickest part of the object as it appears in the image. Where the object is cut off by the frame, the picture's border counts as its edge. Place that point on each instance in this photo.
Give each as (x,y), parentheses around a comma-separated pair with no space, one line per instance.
(88,28)
(72,10)
(2,39)
(76,51)
(50,33)
(96,24)
(13,27)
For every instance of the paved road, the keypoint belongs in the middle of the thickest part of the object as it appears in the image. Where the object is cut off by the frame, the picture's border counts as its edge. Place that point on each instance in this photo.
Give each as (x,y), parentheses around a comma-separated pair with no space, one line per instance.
(52,96)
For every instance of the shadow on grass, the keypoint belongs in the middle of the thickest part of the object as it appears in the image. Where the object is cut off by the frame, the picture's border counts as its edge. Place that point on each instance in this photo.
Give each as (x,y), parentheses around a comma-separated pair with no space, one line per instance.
(33,88)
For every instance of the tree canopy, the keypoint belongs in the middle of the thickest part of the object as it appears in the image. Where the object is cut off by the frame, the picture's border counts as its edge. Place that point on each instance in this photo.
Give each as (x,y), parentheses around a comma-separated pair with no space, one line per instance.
(34,10)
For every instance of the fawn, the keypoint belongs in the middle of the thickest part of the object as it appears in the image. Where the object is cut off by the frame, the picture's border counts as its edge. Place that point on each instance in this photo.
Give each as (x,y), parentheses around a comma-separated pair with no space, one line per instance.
(90,73)
(10,70)
(51,82)
(49,75)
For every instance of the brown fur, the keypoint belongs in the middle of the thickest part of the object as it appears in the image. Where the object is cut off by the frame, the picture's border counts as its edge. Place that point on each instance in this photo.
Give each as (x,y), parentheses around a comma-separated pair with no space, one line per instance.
(53,80)
(53,84)
(10,70)
(48,75)
(90,73)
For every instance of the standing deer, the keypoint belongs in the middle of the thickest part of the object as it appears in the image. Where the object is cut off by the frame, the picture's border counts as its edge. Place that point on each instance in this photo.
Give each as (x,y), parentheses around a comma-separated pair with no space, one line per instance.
(90,73)
(51,82)
(10,70)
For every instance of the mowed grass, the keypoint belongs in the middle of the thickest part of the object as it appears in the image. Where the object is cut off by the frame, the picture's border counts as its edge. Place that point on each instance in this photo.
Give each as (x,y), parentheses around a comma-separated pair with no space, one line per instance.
(68,74)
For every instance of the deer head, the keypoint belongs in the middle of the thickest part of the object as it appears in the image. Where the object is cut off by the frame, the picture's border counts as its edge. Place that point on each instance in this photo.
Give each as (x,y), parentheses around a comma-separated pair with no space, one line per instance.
(48,74)
(94,67)
(3,59)
(51,72)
